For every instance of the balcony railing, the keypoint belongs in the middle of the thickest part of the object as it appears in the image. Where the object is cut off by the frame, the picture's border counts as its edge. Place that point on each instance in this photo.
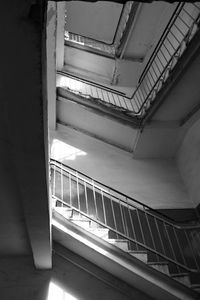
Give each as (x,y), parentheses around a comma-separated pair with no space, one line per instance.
(180,30)
(109,48)
(127,219)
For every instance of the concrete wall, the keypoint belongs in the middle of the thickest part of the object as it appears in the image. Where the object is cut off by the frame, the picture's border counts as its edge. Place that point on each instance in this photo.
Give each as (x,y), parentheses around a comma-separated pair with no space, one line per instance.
(20,281)
(188,158)
(152,181)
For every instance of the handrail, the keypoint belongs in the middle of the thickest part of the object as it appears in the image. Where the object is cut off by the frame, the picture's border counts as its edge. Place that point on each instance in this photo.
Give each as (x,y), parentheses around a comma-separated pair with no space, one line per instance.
(180,30)
(135,224)
(121,234)
(90,82)
(107,190)
(178,7)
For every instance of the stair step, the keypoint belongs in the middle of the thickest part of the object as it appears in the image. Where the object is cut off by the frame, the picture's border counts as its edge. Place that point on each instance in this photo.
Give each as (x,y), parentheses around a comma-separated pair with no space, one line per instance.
(82,223)
(141,255)
(100,232)
(122,244)
(160,266)
(182,278)
(66,212)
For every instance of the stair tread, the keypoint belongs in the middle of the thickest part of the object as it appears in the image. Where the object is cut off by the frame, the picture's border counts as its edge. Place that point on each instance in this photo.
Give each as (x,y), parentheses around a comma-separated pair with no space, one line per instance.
(158,263)
(137,251)
(118,240)
(179,274)
(182,278)
(195,285)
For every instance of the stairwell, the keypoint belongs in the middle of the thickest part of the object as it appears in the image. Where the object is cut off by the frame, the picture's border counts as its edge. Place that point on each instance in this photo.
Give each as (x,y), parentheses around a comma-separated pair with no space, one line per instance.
(119,234)
(141,233)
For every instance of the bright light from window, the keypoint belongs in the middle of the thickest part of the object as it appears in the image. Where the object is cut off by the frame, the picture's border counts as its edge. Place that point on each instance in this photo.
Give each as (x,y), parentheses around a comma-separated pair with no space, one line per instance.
(70,83)
(57,293)
(62,151)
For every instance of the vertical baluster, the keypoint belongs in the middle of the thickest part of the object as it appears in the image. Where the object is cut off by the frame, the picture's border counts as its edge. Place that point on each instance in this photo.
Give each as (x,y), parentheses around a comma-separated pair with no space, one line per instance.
(143,90)
(160,237)
(119,100)
(54,181)
(124,225)
(151,234)
(141,229)
(175,39)
(140,94)
(153,79)
(95,201)
(124,100)
(173,48)
(183,34)
(104,211)
(183,22)
(146,86)
(91,90)
(179,246)
(61,183)
(130,102)
(137,100)
(132,225)
(171,246)
(86,198)
(122,218)
(192,250)
(78,195)
(164,54)
(166,48)
(159,67)
(97,89)
(108,97)
(70,189)
(114,99)
(102,96)
(159,72)
(148,82)
(113,213)
(161,62)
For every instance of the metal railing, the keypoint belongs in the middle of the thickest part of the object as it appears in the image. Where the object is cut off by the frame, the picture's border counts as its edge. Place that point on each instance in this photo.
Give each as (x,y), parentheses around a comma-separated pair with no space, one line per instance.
(180,30)
(109,48)
(128,219)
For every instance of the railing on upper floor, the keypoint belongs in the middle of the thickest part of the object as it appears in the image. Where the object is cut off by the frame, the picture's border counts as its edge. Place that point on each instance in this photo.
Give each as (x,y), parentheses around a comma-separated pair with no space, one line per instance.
(180,30)
(109,48)
(127,218)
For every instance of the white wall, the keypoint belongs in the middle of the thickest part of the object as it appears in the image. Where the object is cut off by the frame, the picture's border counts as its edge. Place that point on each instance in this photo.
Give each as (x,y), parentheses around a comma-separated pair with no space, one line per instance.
(154,181)
(188,158)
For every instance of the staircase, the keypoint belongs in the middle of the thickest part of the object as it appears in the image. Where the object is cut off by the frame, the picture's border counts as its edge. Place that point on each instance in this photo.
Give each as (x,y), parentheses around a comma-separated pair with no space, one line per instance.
(132,227)
(175,40)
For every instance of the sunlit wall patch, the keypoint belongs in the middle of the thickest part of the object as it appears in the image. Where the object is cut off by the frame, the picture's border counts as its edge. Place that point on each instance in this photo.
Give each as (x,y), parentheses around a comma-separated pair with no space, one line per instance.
(55,292)
(62,151)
